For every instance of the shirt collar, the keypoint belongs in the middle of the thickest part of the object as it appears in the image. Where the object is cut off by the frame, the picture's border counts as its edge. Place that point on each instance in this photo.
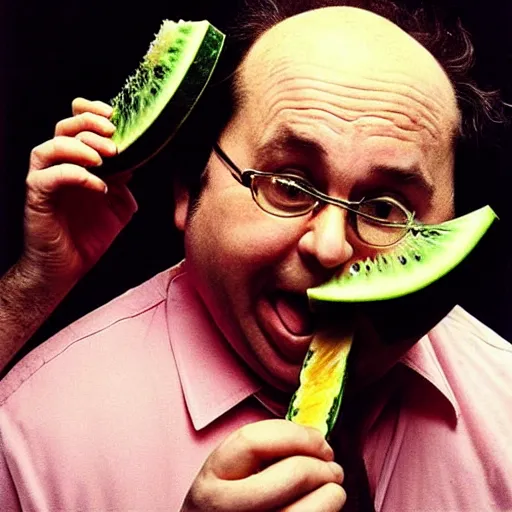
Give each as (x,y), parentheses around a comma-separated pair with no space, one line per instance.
(422,359)
(214,384)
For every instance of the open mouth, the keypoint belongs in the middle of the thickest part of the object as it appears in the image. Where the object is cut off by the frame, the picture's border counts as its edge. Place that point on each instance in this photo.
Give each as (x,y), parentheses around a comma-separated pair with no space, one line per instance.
(294,312)
(288,324)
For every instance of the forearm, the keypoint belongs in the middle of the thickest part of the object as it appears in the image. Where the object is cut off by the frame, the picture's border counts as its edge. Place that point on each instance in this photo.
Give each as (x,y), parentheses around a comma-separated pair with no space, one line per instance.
(27,299)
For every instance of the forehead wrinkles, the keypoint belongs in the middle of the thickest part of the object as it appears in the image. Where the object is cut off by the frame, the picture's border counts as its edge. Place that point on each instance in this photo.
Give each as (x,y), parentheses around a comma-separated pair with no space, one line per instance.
(392,97)
(353,60)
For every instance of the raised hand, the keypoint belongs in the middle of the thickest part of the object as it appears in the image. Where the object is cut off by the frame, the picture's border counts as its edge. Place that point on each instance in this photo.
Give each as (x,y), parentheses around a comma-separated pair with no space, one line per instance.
(71,217)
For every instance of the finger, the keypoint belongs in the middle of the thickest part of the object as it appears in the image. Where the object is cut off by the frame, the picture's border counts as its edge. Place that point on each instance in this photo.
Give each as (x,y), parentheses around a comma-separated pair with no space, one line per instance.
(86,121)
(63,149)
(330,497)
(81,105)
(245,451)
(284,482)
(63,175)
(105,147)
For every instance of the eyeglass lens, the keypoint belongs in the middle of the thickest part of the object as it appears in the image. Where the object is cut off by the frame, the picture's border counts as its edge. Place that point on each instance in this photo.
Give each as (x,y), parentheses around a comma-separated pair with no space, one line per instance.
(282,197)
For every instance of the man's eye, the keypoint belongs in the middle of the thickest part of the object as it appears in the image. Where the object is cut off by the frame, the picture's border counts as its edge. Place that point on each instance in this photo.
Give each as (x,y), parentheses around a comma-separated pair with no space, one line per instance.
(287,188)
(385,210)
(379,209)
(286,191)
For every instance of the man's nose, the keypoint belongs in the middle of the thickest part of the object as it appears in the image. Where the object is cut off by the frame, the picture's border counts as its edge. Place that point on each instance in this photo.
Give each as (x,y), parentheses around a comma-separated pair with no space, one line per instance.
(326,238)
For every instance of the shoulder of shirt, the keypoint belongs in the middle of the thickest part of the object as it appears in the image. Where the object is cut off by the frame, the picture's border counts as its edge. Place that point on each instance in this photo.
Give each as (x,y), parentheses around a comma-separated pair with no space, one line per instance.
(459,321)
(127,307)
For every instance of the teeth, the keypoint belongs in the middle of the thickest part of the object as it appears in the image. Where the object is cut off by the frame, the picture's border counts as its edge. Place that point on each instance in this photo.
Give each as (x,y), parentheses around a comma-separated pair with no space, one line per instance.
(293,310)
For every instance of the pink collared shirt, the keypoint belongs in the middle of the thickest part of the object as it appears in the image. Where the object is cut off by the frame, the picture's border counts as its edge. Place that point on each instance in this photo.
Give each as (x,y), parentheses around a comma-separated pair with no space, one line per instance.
(120,410)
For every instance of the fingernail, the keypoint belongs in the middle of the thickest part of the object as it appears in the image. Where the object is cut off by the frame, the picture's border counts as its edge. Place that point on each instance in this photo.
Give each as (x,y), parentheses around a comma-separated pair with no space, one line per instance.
(337,471)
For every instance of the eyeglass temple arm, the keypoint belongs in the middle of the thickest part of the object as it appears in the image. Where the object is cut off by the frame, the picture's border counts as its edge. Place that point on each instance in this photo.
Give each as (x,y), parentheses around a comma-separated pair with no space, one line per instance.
(237,173)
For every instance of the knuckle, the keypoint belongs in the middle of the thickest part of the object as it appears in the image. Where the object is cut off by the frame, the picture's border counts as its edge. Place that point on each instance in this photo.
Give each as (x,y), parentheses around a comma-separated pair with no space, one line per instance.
(87,118)
(314,439)
(254,434)
(60,126)
(65,169)
(84,136)
(244,437)
(38,155)
(37,152)
(301,466)
(30,180)
(302,472)
(76,102)
(59,143)
(307,472)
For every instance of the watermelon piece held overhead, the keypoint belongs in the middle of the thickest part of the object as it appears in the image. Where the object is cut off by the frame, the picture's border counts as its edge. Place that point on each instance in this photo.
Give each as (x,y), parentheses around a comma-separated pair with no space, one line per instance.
(158,97)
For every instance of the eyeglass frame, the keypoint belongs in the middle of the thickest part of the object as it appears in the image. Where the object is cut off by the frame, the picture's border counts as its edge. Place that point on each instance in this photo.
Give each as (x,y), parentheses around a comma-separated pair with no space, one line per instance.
(246,176)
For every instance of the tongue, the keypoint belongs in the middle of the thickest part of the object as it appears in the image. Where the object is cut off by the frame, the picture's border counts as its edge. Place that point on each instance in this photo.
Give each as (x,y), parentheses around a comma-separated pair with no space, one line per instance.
(294,313)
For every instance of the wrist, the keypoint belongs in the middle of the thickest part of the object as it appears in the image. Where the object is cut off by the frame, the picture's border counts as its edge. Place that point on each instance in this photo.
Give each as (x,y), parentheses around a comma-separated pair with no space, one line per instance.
(27,298)
(33,277)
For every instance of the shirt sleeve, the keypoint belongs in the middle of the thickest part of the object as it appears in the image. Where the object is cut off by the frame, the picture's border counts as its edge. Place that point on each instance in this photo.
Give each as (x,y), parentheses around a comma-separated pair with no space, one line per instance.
(9,501)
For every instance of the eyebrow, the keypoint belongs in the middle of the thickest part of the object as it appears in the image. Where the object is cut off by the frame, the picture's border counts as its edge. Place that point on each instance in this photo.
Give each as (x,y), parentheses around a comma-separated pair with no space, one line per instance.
(407,177)
(286,139)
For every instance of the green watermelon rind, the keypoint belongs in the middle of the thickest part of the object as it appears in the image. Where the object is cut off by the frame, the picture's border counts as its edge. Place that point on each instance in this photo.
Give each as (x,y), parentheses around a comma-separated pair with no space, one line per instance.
(440,254)
(184,92)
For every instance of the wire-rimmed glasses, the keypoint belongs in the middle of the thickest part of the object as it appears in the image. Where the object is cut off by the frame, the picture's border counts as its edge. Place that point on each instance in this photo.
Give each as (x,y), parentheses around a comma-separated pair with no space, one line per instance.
(378,221)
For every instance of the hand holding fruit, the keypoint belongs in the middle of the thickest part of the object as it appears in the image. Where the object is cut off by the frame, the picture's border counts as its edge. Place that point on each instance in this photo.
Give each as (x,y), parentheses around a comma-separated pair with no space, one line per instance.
(269,465)
(70,217)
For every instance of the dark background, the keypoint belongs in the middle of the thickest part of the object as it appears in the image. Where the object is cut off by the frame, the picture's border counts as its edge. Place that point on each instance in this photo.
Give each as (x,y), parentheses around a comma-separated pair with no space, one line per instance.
(53,51)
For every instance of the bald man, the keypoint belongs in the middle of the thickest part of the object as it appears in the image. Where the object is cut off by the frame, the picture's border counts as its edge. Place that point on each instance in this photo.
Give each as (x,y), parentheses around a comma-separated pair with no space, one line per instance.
(171,396)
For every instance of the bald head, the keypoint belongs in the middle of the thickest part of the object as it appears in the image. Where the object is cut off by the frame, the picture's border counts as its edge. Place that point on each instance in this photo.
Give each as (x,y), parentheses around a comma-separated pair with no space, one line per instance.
(352,41)
(345,90)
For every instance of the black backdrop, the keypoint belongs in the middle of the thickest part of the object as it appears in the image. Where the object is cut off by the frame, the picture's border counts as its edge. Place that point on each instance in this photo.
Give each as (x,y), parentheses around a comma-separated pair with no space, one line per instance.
(55,50)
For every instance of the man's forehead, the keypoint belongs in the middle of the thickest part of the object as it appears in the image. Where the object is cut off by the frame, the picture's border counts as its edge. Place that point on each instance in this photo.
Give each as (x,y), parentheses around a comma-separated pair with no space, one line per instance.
(348,32)
(349,42)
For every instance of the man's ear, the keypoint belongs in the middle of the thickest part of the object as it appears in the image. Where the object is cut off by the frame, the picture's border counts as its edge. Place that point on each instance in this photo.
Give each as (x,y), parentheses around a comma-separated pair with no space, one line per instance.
(181,205)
